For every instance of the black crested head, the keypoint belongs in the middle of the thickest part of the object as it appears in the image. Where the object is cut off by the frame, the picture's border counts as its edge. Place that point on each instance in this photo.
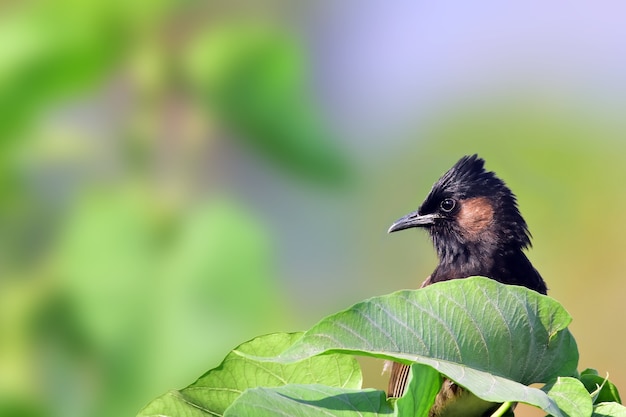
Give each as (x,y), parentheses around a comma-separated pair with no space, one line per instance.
(475,225)
(475,192)
(468,178)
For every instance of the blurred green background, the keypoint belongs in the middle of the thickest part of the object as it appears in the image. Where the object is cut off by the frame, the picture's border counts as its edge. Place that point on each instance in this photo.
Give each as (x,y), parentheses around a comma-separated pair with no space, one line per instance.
(179,177)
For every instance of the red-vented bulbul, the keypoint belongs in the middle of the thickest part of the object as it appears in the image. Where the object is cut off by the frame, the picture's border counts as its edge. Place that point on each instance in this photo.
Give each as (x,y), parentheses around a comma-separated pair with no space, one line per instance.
(477,229)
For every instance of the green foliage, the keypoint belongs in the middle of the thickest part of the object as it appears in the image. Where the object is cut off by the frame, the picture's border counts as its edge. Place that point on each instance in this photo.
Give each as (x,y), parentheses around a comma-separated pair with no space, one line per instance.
(570,395)
(601,389)
(494,343)
(253,78)
(185,275)
(504,330)
(609,410)
(55,49)
(422,388)
(102,291)
(104,277)
(310,401)
(216,390)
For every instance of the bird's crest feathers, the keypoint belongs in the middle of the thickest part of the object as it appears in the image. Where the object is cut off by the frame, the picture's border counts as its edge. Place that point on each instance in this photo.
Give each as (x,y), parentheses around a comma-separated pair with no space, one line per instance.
(469,179)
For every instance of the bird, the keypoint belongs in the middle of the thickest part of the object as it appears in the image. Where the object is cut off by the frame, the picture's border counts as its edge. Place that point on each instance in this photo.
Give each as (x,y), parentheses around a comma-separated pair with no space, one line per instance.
(476,228)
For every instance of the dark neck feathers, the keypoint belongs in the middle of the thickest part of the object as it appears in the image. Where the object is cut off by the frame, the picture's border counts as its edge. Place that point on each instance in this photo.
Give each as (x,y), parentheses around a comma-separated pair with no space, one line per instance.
(505,266)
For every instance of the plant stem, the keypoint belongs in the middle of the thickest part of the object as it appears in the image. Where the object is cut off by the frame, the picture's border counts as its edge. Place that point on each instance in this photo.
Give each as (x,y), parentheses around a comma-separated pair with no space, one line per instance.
(502,409)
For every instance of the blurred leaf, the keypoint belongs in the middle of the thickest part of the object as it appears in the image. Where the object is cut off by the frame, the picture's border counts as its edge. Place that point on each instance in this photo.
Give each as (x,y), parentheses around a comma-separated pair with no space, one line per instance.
(217,278)
(49,50)
(137,277)
(13,407)
(571,396)
(52,53)
(219,248)
(212,393)
(253,78)
(107,260)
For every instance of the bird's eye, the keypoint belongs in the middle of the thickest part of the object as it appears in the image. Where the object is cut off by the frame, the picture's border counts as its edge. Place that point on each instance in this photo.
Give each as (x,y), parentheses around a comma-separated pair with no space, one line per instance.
(447,205)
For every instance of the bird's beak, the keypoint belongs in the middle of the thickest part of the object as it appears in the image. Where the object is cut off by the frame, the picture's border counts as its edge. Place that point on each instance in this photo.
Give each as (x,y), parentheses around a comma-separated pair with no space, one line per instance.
(413,220)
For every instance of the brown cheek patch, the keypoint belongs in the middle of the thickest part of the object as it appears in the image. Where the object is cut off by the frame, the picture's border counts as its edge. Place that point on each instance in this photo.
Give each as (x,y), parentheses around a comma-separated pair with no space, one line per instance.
(475,215)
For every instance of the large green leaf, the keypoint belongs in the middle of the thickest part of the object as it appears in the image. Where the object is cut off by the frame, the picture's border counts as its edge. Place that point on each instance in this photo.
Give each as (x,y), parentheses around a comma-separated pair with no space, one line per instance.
(491,338)
(609,410)
(320,400)
(213,392)
(317,400)
(422,388)
(507,331)
(494,388)
(310,401)
(571,396)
